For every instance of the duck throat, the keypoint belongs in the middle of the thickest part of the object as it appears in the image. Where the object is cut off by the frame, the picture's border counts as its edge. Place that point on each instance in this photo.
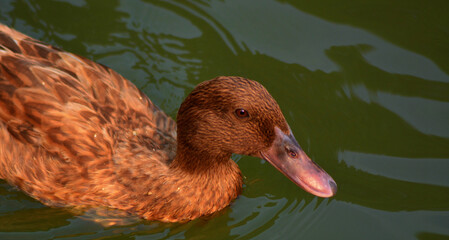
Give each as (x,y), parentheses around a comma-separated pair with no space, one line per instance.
(201,188)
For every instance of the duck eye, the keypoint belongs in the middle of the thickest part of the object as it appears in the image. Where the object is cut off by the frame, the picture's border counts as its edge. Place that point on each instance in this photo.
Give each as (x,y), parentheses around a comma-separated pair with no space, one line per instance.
(241,113)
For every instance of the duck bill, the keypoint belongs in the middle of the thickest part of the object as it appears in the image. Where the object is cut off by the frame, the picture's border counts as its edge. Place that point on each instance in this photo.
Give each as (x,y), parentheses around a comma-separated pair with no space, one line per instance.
(287,156)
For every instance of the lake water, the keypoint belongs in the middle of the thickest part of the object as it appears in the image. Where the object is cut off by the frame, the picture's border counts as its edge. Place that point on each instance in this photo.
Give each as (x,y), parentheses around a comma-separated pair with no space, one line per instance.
(364,86)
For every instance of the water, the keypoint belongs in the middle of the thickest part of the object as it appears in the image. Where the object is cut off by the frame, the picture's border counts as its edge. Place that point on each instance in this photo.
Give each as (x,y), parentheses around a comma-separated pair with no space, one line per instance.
(364,86)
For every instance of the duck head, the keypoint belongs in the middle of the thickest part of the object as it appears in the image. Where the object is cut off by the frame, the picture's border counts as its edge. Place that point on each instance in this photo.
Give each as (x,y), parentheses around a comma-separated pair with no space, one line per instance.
(229,115)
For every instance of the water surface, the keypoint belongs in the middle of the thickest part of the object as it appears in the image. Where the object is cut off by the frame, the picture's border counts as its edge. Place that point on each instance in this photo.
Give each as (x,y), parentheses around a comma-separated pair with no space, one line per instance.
(363,85)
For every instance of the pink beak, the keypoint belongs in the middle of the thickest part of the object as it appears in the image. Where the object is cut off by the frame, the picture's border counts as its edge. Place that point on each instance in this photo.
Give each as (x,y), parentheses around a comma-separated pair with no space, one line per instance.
(287,156)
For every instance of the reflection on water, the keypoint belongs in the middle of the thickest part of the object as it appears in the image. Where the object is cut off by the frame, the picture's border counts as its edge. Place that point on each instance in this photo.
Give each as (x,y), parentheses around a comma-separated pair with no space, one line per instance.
(415,25)
(363,86)
(309,37)
(421,170)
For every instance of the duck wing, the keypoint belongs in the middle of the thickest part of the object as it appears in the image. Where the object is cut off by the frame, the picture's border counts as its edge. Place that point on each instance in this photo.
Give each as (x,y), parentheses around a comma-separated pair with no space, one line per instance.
(62,115)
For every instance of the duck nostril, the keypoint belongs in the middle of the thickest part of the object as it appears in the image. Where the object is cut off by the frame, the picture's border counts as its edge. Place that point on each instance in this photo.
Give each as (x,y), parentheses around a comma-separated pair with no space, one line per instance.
(292,153)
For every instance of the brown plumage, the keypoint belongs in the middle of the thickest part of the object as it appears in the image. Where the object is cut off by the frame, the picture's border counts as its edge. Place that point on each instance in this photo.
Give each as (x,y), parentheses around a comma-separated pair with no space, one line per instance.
(76,133)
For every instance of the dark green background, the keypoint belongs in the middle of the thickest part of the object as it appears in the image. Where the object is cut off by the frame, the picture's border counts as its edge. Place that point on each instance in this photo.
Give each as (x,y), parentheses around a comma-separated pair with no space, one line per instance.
(363,84)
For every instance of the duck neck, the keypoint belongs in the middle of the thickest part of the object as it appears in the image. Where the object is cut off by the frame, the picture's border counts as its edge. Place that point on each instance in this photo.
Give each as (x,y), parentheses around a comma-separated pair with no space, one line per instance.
(196,161)
(206,182)
(215,171)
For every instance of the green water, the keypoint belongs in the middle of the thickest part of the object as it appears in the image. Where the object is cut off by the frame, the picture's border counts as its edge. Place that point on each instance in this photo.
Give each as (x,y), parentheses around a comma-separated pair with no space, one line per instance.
(363,84)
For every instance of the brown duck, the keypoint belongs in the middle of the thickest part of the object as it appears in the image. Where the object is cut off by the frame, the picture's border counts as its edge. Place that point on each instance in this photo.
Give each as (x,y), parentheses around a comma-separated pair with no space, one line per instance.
(76,133)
